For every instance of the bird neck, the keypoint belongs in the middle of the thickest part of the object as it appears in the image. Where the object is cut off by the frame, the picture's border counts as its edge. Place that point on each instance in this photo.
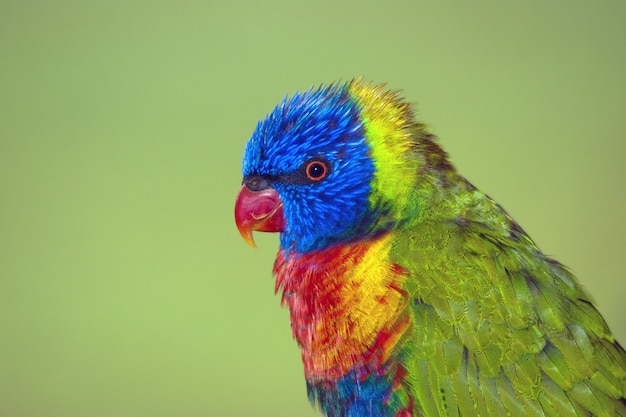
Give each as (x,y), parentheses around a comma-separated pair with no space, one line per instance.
(347,306)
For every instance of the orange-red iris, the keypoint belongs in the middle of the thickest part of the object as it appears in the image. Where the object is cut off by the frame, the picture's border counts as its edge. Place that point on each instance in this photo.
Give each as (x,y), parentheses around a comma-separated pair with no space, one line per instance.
(316,170)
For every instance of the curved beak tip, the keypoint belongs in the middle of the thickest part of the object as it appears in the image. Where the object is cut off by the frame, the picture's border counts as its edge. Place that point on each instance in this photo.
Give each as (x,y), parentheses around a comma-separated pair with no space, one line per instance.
(246,233)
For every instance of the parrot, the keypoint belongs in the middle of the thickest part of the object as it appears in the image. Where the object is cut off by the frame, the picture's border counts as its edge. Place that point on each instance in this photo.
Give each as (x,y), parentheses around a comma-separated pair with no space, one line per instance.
(411,292)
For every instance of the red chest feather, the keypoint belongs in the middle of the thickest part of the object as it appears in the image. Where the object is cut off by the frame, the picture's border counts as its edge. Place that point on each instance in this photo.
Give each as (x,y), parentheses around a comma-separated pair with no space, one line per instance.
(347,305)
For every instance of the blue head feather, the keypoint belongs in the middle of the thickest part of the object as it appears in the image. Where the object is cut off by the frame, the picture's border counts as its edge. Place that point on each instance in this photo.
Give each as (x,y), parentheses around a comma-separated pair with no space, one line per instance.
(321,123)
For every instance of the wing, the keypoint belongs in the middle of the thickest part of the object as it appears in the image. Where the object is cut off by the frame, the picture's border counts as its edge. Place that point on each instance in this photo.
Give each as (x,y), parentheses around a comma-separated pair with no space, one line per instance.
(500,329)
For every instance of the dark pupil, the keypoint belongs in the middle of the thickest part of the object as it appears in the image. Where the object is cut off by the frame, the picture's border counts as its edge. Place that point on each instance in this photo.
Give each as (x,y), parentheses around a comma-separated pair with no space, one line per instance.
(316,170)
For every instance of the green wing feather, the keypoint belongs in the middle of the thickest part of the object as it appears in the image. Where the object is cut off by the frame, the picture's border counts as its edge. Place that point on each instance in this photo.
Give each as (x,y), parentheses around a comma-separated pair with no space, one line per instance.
(500,329)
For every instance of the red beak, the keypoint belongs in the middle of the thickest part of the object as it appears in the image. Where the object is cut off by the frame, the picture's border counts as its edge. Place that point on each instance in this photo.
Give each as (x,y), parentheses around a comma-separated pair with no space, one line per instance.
(258,210)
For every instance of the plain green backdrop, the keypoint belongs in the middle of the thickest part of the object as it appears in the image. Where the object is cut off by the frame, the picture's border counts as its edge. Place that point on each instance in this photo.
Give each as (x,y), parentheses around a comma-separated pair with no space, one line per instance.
(125,289)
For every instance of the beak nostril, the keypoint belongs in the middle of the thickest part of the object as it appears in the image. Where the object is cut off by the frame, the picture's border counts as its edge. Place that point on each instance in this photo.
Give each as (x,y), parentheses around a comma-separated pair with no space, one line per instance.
(257,182)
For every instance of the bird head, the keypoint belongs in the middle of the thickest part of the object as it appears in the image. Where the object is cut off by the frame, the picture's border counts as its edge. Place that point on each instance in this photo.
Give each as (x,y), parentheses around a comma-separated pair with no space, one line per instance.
(331,165)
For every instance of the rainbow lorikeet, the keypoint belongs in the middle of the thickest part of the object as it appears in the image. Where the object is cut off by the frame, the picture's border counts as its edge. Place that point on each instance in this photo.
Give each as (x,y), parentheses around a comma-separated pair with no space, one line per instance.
(411,292)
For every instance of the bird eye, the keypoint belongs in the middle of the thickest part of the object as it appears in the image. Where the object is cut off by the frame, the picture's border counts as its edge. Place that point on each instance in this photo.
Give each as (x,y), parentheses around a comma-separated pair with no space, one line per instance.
(316,170)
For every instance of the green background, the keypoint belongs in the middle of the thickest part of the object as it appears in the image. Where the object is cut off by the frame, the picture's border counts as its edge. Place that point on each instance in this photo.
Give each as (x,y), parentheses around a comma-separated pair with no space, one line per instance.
(125,289)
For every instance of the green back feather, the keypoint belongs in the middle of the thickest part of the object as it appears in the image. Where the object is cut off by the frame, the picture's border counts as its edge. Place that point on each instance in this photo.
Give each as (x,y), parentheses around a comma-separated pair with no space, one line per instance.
(495,315)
